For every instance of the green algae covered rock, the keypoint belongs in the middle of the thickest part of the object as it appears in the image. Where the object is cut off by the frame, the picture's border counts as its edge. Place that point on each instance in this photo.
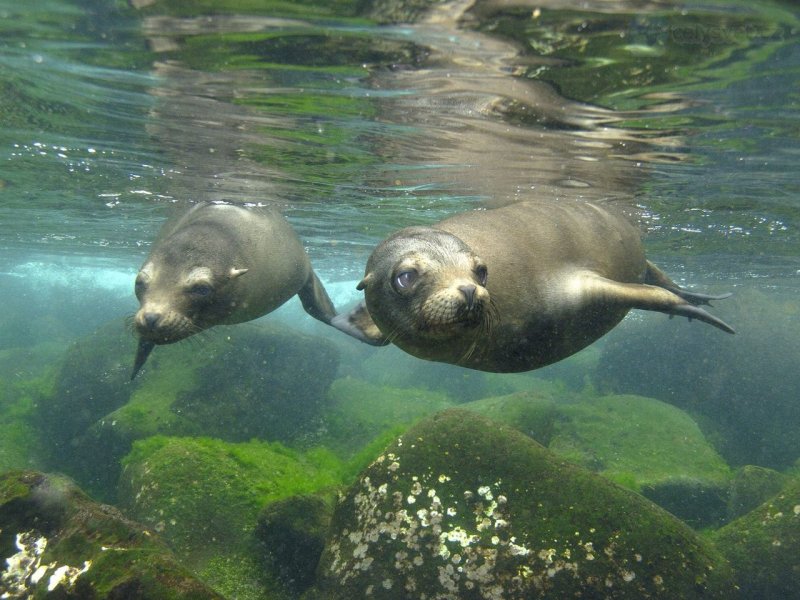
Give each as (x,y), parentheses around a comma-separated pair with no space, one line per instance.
(20,443)
(202,493)
(242,382)
(742,388)
(204,496)
(92,380)
(763,547)
(752,486)
(57,543)
(393,368)
(260,381)
(461,507)
(292,532)
(641,443)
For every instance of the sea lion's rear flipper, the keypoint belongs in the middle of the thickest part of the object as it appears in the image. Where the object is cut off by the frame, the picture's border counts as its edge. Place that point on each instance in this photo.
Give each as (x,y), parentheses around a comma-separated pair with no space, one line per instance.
(655,276)
(315,299)
(647,296)
(358,323)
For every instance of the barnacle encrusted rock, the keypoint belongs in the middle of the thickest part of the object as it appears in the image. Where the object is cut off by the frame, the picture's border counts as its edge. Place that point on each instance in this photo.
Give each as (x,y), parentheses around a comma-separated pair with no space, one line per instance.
(461,508)
(55,542)
(641,443)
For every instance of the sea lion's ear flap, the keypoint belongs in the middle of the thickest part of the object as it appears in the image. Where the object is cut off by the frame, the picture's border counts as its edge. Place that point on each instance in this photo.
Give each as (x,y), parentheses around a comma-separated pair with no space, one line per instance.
(234,273)
(365,282)
(358,323)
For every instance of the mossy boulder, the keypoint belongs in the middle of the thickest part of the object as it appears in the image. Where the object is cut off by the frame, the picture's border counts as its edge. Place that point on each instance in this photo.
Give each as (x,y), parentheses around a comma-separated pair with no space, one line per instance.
(462,507)
(204,496)
(292,532)
(91,381)
(258,381)
(20,439)
(644,444)
(763,547)
(742,388)
(54,536)
(248,381)
(202,493)
(752,486)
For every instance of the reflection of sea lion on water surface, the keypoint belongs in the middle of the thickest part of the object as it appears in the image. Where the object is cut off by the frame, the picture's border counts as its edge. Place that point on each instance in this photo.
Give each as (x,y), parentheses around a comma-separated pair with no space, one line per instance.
(514,288)
(221,264)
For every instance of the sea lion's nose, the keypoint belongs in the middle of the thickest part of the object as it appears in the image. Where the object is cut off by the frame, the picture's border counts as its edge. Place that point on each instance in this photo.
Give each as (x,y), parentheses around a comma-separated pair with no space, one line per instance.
(469,293)
(151,319)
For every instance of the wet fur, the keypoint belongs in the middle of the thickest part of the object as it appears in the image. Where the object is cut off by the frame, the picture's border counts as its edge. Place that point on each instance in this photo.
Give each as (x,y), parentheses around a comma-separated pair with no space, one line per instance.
(560,276)
(221,264)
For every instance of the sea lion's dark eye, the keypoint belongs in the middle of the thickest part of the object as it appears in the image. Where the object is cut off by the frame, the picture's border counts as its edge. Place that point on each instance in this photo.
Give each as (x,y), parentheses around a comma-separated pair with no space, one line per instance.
(200,290)
(482,274)
(139,287)
(405,279)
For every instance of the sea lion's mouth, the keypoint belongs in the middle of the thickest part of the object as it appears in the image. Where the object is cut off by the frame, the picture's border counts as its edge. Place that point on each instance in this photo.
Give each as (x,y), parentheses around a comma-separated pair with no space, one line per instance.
(451,319)
(163,328)
(446,312)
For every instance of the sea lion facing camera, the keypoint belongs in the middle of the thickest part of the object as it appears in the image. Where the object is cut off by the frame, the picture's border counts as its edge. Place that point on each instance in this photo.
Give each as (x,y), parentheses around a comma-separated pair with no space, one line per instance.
(221,264)
(513,288)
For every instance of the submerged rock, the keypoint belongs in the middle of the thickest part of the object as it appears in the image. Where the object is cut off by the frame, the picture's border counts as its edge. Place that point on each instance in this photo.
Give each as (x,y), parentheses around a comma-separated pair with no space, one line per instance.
(644,444)
(58,543)
(751,487)
(20,438)
(391,367)
(463,508)
(91,382)
(764,545)
(256,381)
(204,496)
(292,532)
(742,388)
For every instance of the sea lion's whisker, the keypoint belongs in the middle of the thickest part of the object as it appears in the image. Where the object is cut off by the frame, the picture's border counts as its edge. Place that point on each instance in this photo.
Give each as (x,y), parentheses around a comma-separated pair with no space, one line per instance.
(393,335)
(470,351)
(491,317)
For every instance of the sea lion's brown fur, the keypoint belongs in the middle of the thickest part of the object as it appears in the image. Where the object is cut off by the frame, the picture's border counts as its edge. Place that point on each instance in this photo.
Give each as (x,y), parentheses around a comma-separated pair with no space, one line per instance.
(514,288)
(221,264)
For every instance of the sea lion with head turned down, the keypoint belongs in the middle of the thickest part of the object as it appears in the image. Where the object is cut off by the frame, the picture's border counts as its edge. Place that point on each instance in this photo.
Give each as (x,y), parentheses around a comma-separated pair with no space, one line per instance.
(221,264)
(514,288)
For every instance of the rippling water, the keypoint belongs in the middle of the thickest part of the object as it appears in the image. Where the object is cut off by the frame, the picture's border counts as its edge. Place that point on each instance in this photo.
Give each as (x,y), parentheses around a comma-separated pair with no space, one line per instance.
(112,114)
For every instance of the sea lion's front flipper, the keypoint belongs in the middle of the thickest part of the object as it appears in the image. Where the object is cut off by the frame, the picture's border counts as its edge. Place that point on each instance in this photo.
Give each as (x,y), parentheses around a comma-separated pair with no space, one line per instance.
(358,323)
(315,299)
(653,297)
(142,352)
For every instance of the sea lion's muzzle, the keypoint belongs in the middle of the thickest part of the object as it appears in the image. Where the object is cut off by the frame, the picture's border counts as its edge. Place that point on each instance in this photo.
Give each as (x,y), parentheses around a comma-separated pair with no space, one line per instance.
(463,304)
(162,327)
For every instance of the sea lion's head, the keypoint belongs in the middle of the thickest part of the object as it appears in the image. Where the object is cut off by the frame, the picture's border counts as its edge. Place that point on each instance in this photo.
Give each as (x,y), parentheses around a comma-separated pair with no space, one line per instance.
(178,299)
(176,302)
(424,284)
